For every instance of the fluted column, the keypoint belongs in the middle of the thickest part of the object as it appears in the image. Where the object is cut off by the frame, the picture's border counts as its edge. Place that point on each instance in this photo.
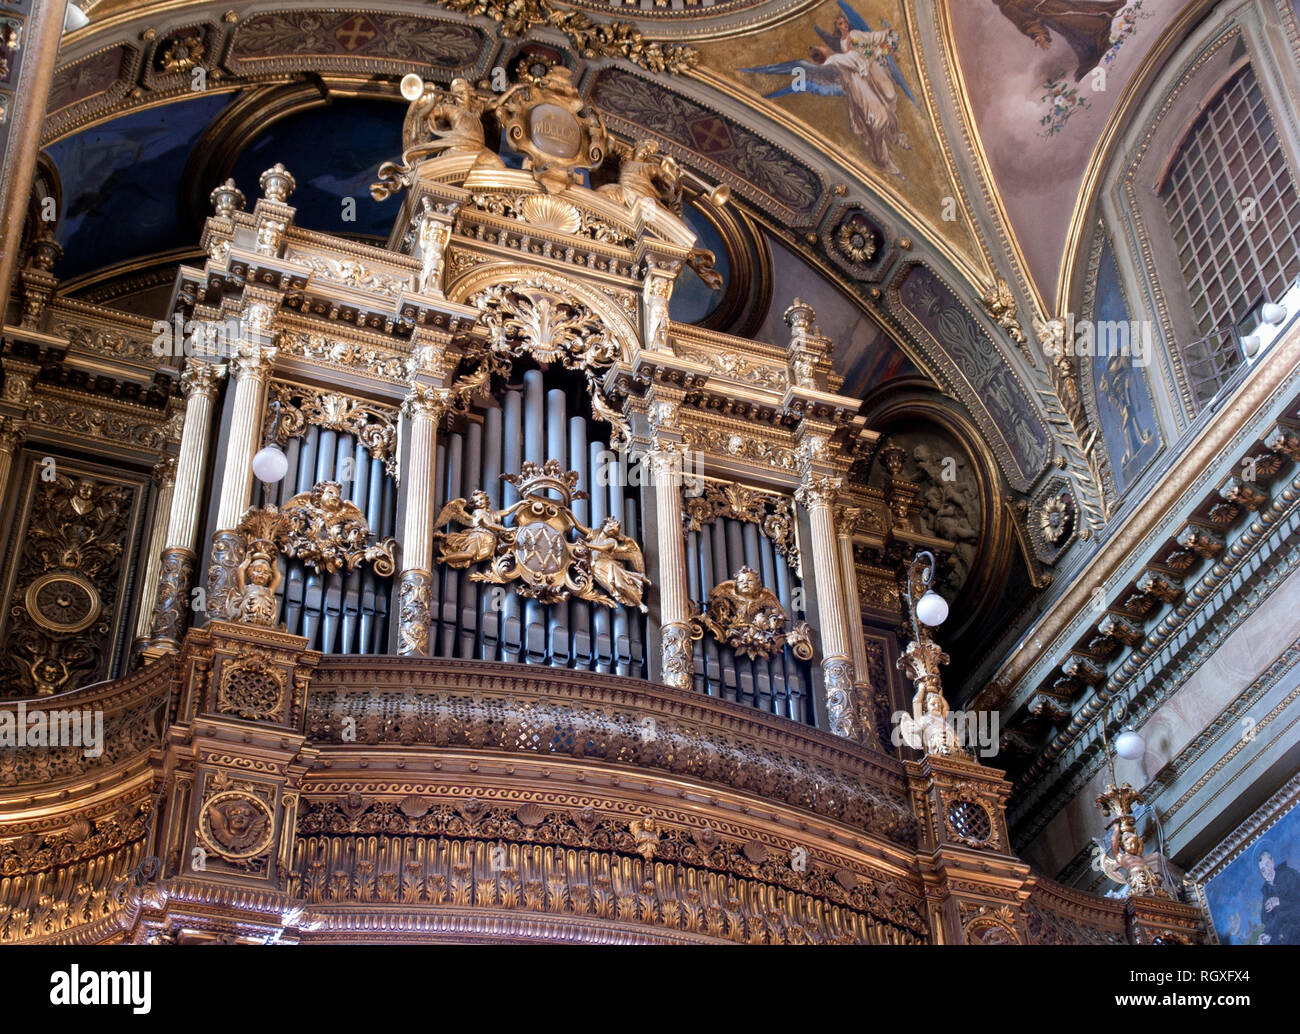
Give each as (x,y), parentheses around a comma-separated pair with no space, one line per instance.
(675,628)
(12,432)
(846,520)
(421,412)
(250,368)
(817,495)
(164,479)
(176,556)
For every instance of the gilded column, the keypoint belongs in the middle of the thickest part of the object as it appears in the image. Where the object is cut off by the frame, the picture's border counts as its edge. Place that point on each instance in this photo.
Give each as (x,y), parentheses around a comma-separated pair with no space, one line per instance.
(846,521)
(675,626)
(164,479)
(817,495)
(12,432)
(421,411)
(176,559)
(31,70)
(250,368)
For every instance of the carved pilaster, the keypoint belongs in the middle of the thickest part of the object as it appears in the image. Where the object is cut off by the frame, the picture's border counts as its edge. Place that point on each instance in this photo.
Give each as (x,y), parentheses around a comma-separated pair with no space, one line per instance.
(846,521)
(199,383)
(164,479)
(249,368)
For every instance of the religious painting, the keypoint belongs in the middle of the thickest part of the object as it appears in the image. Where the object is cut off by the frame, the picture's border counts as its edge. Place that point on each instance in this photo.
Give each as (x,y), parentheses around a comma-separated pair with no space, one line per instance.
(849,72)
(859,64)
(1119,377)
(1043,77)
(1255,898)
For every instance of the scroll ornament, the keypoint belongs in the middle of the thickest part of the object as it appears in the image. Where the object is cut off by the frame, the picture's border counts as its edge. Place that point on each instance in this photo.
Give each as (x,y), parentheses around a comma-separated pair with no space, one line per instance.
(538,548)
(748,617)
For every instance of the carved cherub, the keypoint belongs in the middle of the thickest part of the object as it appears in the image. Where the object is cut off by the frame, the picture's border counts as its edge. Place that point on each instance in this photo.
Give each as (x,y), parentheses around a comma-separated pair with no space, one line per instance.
(1126,865)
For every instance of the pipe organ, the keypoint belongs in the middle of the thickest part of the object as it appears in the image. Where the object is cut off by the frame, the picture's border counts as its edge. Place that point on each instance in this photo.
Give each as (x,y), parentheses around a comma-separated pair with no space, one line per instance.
(528,317)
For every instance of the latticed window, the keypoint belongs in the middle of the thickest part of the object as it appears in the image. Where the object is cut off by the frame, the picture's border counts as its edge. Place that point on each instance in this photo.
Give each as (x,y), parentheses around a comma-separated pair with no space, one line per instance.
(1234,212)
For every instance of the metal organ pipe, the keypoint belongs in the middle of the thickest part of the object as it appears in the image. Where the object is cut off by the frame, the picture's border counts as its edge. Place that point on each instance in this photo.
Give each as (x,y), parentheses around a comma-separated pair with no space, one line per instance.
(493,622)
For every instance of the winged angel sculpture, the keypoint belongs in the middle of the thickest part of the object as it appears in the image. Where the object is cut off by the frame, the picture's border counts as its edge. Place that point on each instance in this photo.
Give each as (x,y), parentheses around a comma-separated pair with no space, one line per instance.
(861,65)
(537,550)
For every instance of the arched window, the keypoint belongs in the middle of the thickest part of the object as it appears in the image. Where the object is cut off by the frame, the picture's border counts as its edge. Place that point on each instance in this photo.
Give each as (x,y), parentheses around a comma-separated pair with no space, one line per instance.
(1234,213)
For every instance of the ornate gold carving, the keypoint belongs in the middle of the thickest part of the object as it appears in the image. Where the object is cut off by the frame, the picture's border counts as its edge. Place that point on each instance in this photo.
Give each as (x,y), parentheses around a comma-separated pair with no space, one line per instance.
(772,513)
(169,612)
(644,173)
(58,633)
(592,39)
(448,123)
(415,596)
(750,447)
(251,688)
(330,533)
(182,55)
(292,409)
(546,123)
(748,617)
(533,315)
(537,551)
(1000,304)
(1069,422)
(351,273)
(1125,863)
(236,825)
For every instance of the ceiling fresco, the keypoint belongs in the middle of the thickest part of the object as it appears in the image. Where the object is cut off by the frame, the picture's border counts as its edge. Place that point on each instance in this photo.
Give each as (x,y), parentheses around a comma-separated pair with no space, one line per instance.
(850,74)
(1043,78)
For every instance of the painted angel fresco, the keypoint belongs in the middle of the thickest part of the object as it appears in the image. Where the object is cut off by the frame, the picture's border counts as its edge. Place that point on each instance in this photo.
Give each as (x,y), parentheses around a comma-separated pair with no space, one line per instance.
(1084,24)
(861,65)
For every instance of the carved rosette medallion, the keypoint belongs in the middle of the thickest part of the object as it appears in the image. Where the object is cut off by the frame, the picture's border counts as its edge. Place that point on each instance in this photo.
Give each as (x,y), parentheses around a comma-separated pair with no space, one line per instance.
(236,825)
(63,602)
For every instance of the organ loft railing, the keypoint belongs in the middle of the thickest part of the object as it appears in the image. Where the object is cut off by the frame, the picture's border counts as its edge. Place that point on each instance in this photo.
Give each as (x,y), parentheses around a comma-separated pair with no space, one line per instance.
(488,440)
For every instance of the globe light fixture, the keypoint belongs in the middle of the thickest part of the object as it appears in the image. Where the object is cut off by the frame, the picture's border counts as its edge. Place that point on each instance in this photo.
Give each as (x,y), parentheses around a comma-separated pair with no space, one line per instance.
(932,609)
(1129,745)
(1250,345)
(270,464)
(74,19)
(1272,313)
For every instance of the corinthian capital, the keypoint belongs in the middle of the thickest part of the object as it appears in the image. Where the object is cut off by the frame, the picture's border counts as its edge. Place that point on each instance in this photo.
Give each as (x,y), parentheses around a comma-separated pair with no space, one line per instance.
(426,401)
(201,377)
(846,519)
(252,360)
(818,490)
(12,432)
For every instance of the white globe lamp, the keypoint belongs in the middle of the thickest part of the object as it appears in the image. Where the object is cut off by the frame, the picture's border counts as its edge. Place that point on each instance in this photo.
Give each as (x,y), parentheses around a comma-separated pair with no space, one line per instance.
(932,609)
(270,464)
(1129,745)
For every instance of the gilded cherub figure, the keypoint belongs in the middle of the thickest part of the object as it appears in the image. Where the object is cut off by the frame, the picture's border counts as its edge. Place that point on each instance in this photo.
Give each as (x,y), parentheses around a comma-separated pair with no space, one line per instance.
(610,550)
(484,530)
